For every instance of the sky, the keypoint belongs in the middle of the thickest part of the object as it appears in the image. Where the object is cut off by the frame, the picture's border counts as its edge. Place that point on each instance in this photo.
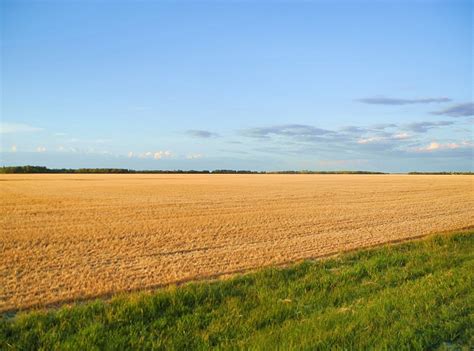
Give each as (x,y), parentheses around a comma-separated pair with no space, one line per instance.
(258,85)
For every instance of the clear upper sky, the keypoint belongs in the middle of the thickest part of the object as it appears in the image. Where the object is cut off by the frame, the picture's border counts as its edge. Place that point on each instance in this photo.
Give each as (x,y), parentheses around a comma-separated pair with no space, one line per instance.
(262,85)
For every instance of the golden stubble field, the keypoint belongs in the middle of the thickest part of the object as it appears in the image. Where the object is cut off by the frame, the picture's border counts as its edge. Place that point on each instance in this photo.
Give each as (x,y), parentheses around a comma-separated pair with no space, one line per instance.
(67,237)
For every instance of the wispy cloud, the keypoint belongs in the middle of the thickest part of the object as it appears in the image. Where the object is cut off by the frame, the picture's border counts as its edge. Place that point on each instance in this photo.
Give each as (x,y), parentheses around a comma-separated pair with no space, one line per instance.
(401,136)
(286,130)
(459,110)
(423,127)
(194,156)
(435,146)
(371,140)
(384,138)
(382,126)
(381,100)
(296,133)
(387,139)
(62,148)
(196,133)
(162,154)
(353,130)
(157,155)
(11,128)
(88,141)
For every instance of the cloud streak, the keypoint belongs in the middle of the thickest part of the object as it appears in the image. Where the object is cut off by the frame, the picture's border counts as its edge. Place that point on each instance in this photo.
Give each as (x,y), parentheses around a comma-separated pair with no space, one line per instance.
(381,100)
(194,156)
(434,146)
(205,134)
(157,155)
(459,110)
(286,130)
(423,127)
(12,128)
(383,140)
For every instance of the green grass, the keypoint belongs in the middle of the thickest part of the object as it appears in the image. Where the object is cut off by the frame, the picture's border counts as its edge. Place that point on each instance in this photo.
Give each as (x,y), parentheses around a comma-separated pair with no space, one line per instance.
(412,296)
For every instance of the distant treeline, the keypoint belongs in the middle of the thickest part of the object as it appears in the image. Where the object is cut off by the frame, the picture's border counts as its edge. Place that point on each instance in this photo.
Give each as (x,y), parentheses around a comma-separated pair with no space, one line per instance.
(41,169)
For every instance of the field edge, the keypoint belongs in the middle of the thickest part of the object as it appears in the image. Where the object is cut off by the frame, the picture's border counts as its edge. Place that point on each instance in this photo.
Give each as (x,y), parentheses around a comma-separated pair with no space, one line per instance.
(469,230)
(385,287)
(9,313)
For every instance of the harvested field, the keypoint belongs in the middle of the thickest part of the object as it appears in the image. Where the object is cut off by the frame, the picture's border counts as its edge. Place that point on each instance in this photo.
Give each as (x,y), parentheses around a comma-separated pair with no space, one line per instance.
(66,237)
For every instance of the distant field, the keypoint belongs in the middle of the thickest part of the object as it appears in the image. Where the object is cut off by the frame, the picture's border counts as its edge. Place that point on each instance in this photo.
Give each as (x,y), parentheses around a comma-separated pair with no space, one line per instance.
(68,237)
(410,296)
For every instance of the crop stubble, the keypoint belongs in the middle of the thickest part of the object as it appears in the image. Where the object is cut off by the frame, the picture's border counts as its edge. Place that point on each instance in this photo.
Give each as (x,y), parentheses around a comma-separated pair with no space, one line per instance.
(66,237)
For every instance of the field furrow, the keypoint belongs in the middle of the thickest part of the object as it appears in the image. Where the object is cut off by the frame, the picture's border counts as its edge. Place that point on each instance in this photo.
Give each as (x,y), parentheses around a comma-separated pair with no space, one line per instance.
(67,237)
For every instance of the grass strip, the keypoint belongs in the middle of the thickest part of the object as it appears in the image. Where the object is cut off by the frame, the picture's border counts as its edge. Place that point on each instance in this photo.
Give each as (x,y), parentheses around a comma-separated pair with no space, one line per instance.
(411,296)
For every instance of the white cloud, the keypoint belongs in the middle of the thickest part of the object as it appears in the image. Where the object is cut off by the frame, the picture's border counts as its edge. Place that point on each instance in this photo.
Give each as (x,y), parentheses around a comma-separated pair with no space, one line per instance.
(194,156)
(384,139)
(401,136)
(161,154)
(62,148)
(370,140)
(40,149)
(11,128)
(13,148)
(435,146)
(432,146)
(157,155)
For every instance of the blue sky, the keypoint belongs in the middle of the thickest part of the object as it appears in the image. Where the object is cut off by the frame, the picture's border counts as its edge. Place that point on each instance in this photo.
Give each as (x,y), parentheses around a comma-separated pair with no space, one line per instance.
(263,85)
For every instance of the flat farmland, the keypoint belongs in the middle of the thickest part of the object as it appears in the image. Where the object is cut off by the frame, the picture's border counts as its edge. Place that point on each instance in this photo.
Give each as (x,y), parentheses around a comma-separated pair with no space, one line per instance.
(68,237)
